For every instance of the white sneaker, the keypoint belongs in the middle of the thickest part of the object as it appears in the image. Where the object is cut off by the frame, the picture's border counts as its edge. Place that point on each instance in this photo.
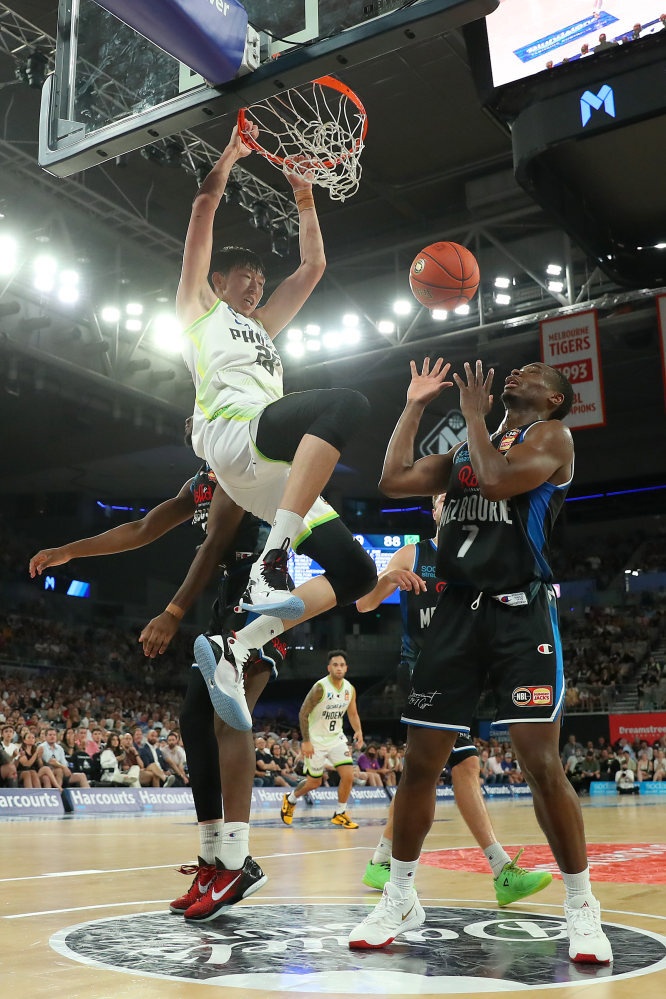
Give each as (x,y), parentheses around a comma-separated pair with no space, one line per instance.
(587,941)
(394,914)
(222,661)
(268,588)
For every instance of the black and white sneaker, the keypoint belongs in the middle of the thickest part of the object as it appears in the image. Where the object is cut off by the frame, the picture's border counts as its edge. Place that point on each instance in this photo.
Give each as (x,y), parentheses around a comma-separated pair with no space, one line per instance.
(268,588)
(222,660)
(227,888)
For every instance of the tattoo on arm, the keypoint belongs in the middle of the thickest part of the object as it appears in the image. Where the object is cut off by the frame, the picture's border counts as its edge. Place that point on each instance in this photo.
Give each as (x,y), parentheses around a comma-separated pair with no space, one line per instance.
(309,704)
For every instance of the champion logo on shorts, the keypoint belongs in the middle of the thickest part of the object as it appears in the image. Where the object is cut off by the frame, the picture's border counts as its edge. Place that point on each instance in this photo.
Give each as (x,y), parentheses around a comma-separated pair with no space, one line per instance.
(545,649)
(532,697)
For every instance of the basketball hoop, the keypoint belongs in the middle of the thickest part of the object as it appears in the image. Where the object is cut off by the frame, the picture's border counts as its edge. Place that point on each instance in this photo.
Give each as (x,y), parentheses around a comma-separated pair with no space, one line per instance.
(317,130)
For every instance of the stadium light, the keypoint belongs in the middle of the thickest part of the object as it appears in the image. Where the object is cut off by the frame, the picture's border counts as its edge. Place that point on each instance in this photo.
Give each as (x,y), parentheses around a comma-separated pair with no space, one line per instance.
(167,333)
(110,314)
(134,309)
(45,269)
(503,299)
(8,255)
(350,319)
(556,286)
(554,270)
(462,310)
(351,335)
(502,282)
(133,325)
(295,348)
(294,334)
(385,326)
(439,314)
(69,294)
(312,329)
(312,345)
(402,307)
(332,340)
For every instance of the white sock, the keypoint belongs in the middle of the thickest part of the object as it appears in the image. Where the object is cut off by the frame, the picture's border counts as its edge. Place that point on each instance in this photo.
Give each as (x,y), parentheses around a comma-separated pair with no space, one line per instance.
(210,838)
(497,857)
(342,806)
(402,874)
(382,854)
(286,526)
(578,887)
(235,845)
(260,631)
(291,798)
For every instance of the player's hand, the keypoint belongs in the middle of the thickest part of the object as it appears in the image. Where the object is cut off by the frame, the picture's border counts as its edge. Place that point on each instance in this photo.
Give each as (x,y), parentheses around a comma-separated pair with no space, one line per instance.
(427,385)
(236,144)
(307,749)
(405,579)
(475,397)
(358,739)
(45,558)
(157,634)
(298,172)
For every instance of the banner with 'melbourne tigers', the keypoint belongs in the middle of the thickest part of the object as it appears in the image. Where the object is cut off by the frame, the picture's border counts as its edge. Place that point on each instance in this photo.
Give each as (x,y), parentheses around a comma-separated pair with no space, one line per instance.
(571,344)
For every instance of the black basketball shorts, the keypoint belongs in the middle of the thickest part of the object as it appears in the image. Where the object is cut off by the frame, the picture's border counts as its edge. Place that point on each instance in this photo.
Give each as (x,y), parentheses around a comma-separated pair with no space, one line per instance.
(515,650)
(463,748)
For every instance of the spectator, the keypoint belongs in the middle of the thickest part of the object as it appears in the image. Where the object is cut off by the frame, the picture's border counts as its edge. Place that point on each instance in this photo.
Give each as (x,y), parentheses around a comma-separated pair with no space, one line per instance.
(608,766)
(368,764)
(584,50)
(570,748)
(644,768)
(603,43)
(8,771)
(138,740)
(496,772)
(53,756)
(110,761)
(636,33)
(77,759)
(153,760)
(30,765)
(659,765)
(511,769)
(574,768)
(624,781)
(8,744)
(174,755)
(148,775)
(590,770)
(394,764)
(267,769)
(284,768)
(95,744)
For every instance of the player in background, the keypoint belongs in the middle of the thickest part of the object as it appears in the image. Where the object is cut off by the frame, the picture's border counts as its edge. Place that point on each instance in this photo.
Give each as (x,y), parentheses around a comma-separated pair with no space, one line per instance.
(273,454)
(324,742)
(412,569)
(495,622)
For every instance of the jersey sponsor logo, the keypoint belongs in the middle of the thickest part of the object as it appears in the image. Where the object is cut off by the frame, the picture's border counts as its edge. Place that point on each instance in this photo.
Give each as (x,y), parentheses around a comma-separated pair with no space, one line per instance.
(296,947)
(507,440)
(202,493)
(440,586)
(532,697)
(545,649)
(467,478)
(347,695)
(476,508)
(422,701)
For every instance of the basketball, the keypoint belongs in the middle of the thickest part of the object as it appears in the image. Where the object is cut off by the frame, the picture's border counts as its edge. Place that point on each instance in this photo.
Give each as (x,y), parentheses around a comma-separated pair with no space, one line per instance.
(444,276)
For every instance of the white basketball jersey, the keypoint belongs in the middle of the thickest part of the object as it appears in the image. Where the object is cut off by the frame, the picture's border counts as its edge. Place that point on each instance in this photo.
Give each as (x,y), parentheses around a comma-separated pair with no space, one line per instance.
(325,720)
(234,365)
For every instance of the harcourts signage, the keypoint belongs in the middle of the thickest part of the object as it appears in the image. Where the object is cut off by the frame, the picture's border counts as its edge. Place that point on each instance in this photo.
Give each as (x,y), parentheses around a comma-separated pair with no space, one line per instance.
(97,799)
(162,799)
(16,801)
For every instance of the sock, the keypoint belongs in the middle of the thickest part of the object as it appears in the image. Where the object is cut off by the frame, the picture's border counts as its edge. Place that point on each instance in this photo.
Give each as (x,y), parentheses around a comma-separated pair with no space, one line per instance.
(382,854)
(286,526)
(578,887)
(210,838)
(260,631)
(497,857)
(235,845)
(341,807)
(402,874)
(291,797)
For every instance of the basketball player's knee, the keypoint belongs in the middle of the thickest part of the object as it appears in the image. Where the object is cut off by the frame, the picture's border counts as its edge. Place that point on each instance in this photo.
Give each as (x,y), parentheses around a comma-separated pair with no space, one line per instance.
(358,578)
(343,415)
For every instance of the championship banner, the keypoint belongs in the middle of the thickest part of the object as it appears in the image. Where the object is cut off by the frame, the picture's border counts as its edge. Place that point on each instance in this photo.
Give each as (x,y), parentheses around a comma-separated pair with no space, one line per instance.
(648,725)
(661,313)
(571,344)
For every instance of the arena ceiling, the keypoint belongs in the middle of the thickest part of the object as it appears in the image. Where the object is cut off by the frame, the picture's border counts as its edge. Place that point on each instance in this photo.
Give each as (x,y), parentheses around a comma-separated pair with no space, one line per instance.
(435,166)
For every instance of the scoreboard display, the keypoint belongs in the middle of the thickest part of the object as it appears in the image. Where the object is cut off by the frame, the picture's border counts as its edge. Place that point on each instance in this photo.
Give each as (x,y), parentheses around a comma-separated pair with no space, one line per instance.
(380,548)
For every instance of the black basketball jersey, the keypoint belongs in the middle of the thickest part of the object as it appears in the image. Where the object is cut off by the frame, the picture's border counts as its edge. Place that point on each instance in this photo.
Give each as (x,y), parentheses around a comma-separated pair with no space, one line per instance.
(497,546)
(417,608)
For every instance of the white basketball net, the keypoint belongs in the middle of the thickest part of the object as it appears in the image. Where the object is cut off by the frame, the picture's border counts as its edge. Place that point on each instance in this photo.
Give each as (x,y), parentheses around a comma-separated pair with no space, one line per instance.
(315,130)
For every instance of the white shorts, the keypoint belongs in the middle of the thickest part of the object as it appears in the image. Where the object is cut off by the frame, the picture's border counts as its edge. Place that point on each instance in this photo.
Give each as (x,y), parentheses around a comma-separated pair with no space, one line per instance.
(336,754)
(254,482)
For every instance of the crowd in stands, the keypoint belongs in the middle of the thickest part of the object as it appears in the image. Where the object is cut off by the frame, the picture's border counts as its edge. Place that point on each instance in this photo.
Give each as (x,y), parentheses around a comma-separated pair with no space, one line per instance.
(603,42)
(625,763)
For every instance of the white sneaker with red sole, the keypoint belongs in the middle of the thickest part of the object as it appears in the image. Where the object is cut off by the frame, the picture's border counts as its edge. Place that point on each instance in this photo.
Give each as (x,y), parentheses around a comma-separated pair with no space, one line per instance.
(394,914)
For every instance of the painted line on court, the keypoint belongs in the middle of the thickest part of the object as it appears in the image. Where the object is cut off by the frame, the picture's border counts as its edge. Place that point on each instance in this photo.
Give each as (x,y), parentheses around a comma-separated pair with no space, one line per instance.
(176,865)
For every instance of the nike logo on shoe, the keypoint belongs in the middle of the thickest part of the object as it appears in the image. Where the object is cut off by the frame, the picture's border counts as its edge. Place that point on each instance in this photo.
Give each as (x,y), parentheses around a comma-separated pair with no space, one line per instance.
(204,888)
(218,895)
(410,911)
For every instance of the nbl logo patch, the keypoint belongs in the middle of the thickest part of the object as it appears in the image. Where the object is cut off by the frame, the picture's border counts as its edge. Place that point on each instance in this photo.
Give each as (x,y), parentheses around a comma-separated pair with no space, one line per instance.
(507,440)
(532,697)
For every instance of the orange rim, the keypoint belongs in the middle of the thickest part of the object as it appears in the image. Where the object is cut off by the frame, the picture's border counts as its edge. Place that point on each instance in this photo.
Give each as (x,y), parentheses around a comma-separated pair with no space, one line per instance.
(323,81)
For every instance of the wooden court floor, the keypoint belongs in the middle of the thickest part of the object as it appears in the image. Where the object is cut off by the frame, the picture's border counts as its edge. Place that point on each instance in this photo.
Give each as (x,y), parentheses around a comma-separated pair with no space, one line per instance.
(113,878)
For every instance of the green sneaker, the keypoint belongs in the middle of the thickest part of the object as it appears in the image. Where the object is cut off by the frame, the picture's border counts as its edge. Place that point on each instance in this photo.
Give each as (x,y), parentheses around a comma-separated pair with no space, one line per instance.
(515,883)
(376,875)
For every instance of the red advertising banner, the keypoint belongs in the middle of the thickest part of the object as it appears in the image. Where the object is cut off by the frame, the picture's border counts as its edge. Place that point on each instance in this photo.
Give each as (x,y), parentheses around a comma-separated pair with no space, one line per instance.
(571,344)
(648,725)
(661,313)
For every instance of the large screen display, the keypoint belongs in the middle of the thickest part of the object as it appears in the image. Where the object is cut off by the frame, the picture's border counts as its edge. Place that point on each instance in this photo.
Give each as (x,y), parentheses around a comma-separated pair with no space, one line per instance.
(529,36)
(380,547)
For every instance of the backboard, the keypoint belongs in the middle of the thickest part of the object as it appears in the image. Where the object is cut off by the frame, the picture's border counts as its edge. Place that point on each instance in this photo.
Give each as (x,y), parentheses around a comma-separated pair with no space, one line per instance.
(114,91)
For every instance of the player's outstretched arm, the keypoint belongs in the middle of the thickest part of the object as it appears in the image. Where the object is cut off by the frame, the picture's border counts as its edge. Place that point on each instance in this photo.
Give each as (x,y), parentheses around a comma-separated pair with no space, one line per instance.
(294,291)
(355,721)
(195,296)
(308,705)
(123,538)
(224,517)
(402,475)
(398,574)
(546,450)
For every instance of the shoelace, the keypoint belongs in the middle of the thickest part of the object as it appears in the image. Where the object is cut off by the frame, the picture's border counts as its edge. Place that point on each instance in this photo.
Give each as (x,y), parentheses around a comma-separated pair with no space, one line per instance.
(189,869)
(514,866)
(584,921)
(274,570)
(384,907)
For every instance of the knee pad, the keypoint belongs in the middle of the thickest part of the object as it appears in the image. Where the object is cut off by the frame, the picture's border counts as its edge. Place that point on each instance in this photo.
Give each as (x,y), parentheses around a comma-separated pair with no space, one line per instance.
(346,564)
(343,414)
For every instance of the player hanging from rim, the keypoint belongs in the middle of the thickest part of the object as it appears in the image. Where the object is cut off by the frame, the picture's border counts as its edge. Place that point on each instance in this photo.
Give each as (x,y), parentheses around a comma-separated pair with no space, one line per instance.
(496,617)
(324,742)
(272,454)
(412,569)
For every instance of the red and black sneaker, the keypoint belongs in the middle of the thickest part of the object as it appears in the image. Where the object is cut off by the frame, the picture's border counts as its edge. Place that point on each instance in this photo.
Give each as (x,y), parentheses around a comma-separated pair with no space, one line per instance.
(228,888)
(204,875)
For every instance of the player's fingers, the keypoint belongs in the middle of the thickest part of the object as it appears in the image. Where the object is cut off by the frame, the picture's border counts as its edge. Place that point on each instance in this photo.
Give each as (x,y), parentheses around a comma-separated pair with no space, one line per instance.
(458,380)
(479,372)
(426,366)
(412,368)
(470,376)
(437,366)
(489,380)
